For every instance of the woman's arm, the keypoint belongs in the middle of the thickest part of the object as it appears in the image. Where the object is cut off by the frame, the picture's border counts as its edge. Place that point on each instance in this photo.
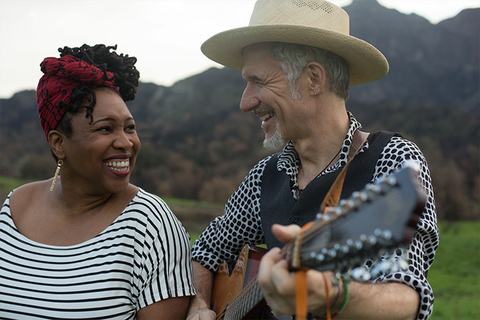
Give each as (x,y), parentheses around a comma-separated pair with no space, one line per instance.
(172,308)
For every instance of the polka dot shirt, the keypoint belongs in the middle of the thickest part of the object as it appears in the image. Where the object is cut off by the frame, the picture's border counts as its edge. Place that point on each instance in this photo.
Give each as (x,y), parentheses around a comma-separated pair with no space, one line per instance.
(240,224)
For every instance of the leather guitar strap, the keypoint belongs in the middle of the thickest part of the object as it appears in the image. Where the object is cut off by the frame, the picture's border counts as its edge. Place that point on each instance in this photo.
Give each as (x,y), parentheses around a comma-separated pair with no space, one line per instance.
(331,199)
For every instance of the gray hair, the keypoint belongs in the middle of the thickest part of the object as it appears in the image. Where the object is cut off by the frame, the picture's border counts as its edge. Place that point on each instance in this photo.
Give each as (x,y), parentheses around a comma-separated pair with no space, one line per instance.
(293,58)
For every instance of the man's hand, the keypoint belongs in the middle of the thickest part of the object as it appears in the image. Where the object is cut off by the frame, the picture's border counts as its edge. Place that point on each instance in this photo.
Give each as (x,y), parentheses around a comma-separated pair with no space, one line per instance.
(199,308)
(202,314)
(367,300)
(278,283)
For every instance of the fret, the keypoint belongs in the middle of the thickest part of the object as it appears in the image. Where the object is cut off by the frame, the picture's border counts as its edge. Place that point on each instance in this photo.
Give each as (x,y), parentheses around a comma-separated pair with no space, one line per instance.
(245,301)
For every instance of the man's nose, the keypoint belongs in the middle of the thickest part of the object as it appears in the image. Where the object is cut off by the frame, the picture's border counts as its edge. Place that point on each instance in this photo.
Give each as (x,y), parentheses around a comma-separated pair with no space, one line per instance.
(249,99)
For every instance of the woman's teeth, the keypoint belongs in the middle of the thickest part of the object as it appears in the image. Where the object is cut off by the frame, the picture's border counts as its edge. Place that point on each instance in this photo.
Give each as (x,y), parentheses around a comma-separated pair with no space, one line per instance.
(118,165)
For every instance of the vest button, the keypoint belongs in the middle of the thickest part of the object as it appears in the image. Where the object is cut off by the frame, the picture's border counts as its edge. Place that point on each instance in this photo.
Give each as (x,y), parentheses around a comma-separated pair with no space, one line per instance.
(294,218)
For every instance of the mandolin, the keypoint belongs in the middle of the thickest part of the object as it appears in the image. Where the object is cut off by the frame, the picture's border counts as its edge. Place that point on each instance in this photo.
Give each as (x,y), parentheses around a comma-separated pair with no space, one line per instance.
(368,224)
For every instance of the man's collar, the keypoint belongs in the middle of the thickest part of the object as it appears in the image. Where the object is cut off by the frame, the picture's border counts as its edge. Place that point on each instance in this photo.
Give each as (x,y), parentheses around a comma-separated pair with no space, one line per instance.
(289,160)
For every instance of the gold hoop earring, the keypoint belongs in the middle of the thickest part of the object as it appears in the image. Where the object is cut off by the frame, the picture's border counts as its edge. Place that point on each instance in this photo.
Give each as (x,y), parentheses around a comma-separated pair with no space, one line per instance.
(57,173)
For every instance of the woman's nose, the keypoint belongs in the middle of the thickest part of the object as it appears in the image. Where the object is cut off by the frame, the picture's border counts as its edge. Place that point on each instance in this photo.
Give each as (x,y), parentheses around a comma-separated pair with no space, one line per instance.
(123,141)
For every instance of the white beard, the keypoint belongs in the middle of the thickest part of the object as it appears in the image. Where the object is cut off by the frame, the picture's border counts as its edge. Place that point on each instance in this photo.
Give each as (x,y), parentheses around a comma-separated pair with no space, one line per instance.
(276,142)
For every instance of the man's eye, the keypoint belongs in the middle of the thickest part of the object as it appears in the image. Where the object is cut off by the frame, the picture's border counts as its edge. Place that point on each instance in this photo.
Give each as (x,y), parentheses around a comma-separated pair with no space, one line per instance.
(104,129)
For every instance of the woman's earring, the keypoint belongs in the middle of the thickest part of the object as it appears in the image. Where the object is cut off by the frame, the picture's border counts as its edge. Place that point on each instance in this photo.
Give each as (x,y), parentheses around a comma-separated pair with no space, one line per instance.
(57,172)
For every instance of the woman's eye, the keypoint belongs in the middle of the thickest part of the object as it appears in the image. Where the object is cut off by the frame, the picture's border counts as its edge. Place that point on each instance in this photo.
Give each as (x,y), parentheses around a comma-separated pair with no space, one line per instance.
(104,129)
(130,128)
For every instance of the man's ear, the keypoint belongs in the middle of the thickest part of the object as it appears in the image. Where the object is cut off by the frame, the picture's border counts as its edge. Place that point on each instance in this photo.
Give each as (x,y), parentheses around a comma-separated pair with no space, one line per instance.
(318,81)
(56,140)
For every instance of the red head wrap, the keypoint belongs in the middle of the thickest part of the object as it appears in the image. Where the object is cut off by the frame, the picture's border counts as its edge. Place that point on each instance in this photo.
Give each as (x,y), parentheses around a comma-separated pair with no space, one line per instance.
(61,75)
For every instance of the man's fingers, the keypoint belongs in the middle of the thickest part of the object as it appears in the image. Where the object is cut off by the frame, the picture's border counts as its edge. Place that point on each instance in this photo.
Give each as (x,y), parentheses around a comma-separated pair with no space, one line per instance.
(285,233)
(268,261)
(275,280)
(269,269)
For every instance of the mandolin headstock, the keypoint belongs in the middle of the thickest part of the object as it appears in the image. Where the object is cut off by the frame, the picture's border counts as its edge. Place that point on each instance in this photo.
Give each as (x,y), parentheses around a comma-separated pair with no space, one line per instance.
(380,217)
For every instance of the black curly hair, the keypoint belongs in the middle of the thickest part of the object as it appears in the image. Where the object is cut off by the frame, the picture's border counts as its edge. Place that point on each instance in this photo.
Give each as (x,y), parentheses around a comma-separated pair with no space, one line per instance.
(122,66)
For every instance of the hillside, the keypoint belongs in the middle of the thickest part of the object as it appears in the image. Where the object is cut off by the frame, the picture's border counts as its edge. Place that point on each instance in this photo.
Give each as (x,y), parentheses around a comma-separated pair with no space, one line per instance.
(428,63)
(197,144)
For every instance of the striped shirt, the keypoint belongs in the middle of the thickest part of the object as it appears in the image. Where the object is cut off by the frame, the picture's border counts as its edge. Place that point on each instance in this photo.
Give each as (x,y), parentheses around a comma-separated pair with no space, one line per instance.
(143,257)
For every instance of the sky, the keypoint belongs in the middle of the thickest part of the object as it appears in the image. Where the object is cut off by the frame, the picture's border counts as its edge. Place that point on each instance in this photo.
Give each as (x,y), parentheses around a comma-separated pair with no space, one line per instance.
(164,35)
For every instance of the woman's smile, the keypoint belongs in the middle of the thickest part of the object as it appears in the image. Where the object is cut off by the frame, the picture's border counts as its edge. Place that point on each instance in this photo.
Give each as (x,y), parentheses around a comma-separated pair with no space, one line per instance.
(119,167)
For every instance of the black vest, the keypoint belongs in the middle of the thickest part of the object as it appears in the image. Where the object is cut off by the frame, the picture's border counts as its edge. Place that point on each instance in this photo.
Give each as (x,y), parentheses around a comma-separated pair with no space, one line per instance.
(277,204)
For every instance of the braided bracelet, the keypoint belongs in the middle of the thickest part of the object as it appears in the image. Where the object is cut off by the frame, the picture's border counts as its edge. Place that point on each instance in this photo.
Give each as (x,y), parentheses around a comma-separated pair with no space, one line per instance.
(344,303)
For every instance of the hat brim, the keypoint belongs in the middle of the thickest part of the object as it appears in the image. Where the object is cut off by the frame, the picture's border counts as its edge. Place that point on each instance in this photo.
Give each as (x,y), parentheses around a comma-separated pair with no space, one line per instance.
(365,62)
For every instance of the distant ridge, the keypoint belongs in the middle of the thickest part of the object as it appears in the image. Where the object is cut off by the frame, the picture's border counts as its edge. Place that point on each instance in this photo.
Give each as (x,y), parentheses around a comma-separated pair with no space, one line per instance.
(197,144)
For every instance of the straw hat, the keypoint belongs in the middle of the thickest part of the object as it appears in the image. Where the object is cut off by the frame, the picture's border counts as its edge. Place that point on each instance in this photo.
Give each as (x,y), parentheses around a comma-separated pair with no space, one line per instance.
(316,23)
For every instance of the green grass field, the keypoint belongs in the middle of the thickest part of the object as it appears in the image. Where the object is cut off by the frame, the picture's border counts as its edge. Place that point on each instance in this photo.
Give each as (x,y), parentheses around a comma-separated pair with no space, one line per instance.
(455,273)
(8,184)
(454,276)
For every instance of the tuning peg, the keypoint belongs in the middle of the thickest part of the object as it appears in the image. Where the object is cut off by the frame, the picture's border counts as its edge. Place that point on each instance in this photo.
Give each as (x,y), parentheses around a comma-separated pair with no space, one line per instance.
(320,257)
(384,234)
(347,204)
(387,234)
(399,263)
(332,253)
(358,245)
(360,196)
(361,274)
(381,268)
(394,267)
(374,188)
(334,210)
(349,243)
(403,264)
(372,240)
(344,249)
(329,212)
(391,180)
(326,216)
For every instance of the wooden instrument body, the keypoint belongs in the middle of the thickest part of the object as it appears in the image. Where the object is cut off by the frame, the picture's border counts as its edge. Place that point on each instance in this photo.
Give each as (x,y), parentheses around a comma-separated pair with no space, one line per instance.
(230,280)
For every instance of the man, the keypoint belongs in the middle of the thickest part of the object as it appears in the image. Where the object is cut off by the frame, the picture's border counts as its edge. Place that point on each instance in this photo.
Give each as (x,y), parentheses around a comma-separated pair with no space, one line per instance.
(298,60)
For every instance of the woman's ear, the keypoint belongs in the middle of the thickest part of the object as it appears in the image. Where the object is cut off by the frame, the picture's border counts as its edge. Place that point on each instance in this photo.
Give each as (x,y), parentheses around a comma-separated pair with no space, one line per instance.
(56,140)
(317,78)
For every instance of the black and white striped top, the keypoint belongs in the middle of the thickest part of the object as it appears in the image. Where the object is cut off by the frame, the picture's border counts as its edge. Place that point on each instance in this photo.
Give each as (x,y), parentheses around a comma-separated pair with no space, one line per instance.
(141,258)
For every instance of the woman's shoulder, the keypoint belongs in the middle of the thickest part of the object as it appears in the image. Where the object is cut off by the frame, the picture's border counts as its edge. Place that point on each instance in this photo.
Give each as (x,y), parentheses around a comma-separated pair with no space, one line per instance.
(155,213)
(29,193)
(25,198)
(153,202)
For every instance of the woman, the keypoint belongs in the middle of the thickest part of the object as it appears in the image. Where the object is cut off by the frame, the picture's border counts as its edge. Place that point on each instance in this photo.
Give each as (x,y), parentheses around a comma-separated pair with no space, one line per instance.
(87,244)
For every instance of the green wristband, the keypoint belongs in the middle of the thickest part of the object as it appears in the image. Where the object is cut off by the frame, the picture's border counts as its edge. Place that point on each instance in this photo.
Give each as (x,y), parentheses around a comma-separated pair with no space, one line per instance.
(345,287)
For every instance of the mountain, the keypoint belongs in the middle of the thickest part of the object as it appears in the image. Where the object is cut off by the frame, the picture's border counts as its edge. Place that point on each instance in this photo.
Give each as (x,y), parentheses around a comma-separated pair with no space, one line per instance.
(197,144)
(428,63)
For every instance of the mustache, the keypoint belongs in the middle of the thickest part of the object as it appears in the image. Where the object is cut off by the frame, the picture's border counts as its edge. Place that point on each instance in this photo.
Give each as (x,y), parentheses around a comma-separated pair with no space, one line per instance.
(262,110)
